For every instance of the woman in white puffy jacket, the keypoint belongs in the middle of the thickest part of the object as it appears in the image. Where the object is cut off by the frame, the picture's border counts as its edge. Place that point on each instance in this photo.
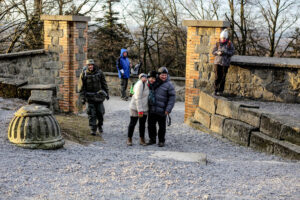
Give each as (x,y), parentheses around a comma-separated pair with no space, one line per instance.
(139,109)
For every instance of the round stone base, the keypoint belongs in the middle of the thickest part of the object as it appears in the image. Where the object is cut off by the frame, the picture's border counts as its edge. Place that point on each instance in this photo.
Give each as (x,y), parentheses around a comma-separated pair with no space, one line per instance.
(45,146)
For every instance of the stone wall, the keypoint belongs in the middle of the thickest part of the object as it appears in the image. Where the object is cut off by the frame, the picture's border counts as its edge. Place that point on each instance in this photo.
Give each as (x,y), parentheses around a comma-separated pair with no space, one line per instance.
(261,78)
(113,82)
(249,124)
(35,67)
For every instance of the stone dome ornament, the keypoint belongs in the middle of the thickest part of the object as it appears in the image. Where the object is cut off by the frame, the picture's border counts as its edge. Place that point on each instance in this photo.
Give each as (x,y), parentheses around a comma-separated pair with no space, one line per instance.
(34,127)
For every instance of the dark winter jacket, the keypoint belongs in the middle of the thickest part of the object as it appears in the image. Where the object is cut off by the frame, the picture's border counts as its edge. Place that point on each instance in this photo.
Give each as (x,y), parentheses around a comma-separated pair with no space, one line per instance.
(227,50)
(123,63)
(164,97)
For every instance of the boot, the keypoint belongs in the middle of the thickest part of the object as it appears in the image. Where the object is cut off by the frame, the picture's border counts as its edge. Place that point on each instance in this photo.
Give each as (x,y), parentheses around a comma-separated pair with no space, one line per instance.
(129,141)
(142,141)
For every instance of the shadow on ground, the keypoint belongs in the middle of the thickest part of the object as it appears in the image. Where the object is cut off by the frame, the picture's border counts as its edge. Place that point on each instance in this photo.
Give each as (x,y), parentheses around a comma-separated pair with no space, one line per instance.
(76,129)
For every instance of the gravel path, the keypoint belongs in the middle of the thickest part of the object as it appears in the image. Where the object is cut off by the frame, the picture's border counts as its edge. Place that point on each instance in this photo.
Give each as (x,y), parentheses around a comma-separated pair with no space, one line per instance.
(111,170)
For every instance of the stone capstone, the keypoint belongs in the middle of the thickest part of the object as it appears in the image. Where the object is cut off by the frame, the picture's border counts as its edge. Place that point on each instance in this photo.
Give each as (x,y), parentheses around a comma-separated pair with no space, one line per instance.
(43,97)
(34,127)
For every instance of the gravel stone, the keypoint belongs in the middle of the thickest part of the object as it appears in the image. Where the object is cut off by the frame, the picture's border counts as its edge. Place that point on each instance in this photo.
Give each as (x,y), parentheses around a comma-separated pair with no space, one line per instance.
(112,170)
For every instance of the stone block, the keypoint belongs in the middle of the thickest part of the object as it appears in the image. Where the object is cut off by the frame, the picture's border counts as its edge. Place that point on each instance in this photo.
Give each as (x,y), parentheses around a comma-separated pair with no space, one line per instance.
(227,108)
(202,117)
(270,125)
(56,33)
(262,142)
(52,65)
(291,132)
(216,123)
(237,131)
(201,49)
(250,116)
(195,100)
(56,49)
(43,97)
(81,25)
(207,102)
(80,41)
(287,150)
(80,33)
(80,56)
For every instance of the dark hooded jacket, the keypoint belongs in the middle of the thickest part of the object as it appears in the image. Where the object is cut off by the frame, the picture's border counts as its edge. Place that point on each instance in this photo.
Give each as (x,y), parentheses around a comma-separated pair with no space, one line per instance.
(228,51)
(123,63)
(164,97)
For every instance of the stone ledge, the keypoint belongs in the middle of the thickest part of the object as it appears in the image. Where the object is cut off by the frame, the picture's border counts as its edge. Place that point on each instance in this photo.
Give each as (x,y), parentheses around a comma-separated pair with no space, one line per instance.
(256,61)
(65,18)
(206,23)
(23,53)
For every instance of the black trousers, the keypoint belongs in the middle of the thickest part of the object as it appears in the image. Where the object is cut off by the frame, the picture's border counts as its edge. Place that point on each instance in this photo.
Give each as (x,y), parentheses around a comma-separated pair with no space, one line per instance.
(95,113)
(161,120)
(124,84)
(221,72)
(142,125)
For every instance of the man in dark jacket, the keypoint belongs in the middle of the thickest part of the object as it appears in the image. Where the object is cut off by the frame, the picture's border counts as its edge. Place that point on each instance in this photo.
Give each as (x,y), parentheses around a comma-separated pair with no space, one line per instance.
(164,103)
(223,51)
(123,66)
(93,89)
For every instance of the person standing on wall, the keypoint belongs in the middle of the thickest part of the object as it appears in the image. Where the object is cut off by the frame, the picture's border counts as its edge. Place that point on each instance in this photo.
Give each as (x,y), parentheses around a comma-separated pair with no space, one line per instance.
(93,89)
(123,66)
(223,51)
(139,109)
(164,103)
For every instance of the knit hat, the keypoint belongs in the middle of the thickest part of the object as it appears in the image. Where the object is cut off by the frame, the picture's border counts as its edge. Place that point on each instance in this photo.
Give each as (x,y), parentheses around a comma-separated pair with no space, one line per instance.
(152,74)
(224,34)
(142,75)
(162,70)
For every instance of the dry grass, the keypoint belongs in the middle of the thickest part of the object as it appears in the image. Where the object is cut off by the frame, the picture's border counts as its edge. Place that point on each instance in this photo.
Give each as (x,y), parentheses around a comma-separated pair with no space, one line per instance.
(76,129)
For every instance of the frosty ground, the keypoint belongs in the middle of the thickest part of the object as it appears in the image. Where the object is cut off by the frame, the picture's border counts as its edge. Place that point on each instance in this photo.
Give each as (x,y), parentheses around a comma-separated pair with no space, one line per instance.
(111,170)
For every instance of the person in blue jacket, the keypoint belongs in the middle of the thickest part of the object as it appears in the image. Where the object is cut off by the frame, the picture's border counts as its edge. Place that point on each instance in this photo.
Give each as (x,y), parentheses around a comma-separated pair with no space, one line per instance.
(123,66)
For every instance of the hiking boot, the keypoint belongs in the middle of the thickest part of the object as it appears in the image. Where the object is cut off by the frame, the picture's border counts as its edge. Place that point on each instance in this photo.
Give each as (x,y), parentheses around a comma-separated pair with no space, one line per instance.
(124,98)
(161,144)
(129,142)
(142,141)
(93,133)
(151,142)
(100,129)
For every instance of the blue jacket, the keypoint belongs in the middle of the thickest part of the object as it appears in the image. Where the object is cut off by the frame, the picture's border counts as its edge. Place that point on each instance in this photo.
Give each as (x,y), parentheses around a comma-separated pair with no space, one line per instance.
(123,63)
(164,97)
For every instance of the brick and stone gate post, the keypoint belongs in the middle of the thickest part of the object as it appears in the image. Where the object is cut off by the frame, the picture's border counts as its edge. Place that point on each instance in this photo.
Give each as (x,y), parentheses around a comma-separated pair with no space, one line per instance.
(200,75)
(67,36)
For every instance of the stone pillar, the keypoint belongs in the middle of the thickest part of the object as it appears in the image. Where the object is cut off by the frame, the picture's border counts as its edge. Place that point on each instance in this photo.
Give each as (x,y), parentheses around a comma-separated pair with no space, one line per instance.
(200,75)
(67,36)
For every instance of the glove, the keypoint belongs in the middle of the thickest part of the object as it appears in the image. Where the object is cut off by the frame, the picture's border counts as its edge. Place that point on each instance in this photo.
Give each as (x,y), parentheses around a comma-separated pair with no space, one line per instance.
(140,114)
(122,73)
(107,97)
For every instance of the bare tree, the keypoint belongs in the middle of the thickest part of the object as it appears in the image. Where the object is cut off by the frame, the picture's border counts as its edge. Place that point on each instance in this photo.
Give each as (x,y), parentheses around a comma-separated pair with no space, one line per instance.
(279,19)
(199,9)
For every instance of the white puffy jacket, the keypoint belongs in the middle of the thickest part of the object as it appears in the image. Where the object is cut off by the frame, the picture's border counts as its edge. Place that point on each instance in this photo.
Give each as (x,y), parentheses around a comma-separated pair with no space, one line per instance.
(139,100)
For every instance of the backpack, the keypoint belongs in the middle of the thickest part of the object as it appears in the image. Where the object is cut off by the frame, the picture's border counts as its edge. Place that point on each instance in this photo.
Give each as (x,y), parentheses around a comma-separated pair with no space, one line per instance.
(131,91)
